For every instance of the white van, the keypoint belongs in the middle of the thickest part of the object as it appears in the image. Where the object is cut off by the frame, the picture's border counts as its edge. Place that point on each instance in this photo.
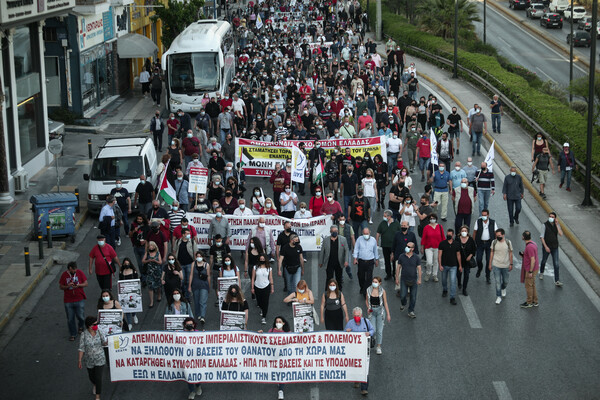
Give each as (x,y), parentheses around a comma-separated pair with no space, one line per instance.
(125,159)
(559,6)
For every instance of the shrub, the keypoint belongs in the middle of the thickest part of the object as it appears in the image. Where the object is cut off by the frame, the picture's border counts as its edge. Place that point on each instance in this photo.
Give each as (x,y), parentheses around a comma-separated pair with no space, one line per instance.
(579,106)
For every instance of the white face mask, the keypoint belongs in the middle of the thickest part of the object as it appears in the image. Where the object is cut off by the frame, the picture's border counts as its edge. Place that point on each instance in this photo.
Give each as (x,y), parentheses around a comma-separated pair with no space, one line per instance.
(279,325)
(513,173)
(463,234)
(457,168)
(303,209)
(463,185)
(257,194)
(469,163)
(332,288)
(301,291)
(199,259)
(176,297)
(251,245)
(268,205)
(342,223)
(551,220)
(105,299)
(366,237)
(375,285)
(261,224)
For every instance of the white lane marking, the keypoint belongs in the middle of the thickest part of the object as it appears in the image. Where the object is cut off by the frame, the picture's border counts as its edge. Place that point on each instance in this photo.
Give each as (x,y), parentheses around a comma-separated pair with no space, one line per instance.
(314,393)
(469,309)
(545,74)
(445,104)
(502,390)
(505,42)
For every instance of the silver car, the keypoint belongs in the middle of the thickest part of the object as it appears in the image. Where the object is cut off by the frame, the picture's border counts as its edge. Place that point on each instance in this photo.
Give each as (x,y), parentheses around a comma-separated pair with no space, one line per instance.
(536,10)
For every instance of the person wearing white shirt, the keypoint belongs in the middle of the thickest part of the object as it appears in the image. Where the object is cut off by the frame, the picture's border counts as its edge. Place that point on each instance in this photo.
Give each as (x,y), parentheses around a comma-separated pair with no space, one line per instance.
(472,112)
(302,213)
(288,201)
(242,210)
(394,147)
(483,232)
(366,256)
(370,190)
(408,212)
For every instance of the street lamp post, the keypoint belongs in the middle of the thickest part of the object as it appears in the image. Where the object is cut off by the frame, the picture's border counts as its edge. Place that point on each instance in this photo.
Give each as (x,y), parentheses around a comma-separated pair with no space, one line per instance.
(484,19)
(571,57)
(455,71)
(587,200)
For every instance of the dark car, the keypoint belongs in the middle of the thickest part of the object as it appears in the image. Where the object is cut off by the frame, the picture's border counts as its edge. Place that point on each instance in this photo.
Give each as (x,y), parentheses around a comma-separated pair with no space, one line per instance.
(519,4)
(580,38)
(551,20)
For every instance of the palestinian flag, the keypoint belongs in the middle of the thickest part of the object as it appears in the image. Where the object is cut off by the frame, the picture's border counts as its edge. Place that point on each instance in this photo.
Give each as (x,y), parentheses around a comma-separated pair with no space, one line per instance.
(166,191)
(246,157)
(318,171)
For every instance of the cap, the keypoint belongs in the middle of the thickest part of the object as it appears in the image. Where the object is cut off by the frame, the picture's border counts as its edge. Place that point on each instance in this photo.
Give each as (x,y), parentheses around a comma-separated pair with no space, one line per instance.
(566,144)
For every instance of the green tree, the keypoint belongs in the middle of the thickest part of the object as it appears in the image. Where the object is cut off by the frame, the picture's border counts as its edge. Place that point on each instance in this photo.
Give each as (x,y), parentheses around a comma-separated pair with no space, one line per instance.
(580,87)
(175,17)
(437,17)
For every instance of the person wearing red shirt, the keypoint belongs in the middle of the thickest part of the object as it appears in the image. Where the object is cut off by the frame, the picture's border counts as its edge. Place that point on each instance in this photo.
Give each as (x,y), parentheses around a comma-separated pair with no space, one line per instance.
(268,209)
(337,104)
(304,90)
(173,125)
(433,235)
(316,202)
(71,282)
(225,102)
(423,154)
(364,119)
(331,207)
(100,256)
(177,231)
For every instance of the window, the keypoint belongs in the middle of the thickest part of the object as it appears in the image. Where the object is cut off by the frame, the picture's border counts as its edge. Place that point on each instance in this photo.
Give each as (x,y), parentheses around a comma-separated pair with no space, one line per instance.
(49,34)
(192,73)
(110,169)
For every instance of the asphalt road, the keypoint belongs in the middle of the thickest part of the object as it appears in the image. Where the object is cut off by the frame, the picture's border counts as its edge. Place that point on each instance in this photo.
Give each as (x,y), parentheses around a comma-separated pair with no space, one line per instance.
(473,350)
(520,47)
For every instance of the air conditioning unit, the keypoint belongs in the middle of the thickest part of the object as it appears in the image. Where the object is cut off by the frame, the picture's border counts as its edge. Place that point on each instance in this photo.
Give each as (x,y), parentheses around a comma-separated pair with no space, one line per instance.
(21,181)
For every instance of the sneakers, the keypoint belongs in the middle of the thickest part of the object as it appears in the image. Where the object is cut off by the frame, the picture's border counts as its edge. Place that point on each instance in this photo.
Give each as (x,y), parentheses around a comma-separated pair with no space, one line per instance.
(199,390)
(541,277)
(280,395)
(445,293)
(371,221)
(118,242)
(498,300)
(427,276)
(535,304)
(263,321)
(135,320)
(526,305)
(364,392)
(568,189)
(503,292)
(435,278)
(402,307)
(192,395)
(202,321)
(560,186)
(558,283)
(130,327)
(453,301)
(378,351)
(412,315)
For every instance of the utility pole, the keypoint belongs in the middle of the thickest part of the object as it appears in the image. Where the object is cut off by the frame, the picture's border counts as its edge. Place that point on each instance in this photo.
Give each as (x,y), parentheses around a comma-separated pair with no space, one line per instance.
(587,200)
(455,70)
(378,22)
(484,19)
(571,56)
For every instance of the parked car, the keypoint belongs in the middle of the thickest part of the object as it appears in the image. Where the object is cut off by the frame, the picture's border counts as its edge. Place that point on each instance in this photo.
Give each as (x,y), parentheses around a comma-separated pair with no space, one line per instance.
(536,10)
(580,38)
(551,20)
(558,5)
(585,23)
(578,13)
(519,4)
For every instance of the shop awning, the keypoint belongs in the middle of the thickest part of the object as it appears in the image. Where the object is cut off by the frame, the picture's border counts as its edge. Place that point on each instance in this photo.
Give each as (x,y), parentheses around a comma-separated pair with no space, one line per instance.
(134,45)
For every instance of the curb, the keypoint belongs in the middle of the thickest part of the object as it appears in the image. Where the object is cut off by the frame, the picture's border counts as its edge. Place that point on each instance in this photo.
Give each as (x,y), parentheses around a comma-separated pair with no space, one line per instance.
(532,190)
(539,34)
(24,295)
(83,218)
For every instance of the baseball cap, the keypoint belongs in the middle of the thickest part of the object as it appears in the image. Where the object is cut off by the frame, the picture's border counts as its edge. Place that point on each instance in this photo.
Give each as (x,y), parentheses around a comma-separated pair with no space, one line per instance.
(566,144)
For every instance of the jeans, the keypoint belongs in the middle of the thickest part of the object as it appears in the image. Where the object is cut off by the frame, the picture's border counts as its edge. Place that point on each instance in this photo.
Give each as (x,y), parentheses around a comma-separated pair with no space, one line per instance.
(376,318)
(413,294)
(477,142)
(501,278)
(423,164)
(347,200)
(442,198)
(431,266)
(365,274)
(391,157)
(358,226)
(484,200)
(186,269)
(200,299)
(372,205)
(460,220)
(562,177)
(192,387)
(158,142)
(554,253)
(483,247)
(496,120)
(452,272)
(75,314)
(129,317)
(291,280)
(514,209)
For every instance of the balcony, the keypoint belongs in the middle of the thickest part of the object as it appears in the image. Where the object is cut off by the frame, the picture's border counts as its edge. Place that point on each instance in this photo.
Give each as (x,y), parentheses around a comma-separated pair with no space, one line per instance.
(91,7)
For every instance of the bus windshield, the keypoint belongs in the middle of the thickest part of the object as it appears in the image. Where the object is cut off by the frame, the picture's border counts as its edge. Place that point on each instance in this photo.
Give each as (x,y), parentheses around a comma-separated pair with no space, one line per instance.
(191,73)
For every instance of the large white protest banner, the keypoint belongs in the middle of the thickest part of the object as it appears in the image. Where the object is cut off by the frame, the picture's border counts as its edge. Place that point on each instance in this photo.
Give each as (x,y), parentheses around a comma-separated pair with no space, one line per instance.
(130,295)
(239,356)
(310,231)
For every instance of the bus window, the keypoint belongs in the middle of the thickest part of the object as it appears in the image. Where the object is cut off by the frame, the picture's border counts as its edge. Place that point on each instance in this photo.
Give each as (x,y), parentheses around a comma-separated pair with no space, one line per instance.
(193,72)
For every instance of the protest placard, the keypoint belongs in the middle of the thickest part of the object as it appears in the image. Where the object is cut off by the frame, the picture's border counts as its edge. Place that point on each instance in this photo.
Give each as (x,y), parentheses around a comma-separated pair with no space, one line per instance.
(233,320)
(198,179)
(110,321)
(239,356)
(130,295)
(303,317)
(174,322)
(224,284)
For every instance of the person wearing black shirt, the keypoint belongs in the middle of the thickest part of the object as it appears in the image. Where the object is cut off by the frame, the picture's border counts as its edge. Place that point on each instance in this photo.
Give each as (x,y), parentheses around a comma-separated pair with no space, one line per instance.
(144,194)
(359,211)
(185,249)
(291,260)
(349,184)
(217,252)
(449,260)
(454,123)
(235,301)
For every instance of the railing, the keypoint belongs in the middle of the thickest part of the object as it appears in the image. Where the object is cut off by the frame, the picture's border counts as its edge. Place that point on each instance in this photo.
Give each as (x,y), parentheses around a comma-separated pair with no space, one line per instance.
(493,86)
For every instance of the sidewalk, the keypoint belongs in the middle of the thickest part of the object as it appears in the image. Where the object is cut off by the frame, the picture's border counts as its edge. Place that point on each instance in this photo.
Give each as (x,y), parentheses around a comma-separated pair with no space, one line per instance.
(513,147)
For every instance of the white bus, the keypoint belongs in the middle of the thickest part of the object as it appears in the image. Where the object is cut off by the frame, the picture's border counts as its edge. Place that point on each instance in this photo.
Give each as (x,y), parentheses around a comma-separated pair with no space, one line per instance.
(200,60)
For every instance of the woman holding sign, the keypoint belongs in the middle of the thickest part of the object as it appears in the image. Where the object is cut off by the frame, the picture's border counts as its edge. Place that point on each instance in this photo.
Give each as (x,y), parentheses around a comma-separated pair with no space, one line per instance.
(229,269)
(199,284)
(235,301)
(128,272)
(280,325)
(333,307)
(91,354)
(179,307)
(172,276)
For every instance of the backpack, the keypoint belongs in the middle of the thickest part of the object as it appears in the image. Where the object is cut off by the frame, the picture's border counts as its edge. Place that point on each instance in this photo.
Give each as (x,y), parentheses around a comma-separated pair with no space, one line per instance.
(507,242)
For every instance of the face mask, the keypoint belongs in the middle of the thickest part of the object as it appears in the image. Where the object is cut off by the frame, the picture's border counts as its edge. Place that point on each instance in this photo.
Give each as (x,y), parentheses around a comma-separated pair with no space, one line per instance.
(279,325)
(176,297)
(219,244)
(172,143)
(257,194)
(513,173)
(199,259)
(261,224)
(463,185)
(342,223)
(449,237)
(539,138)
(433,220)
(484,217)
(442,169)
(404,229)
(94,327)
(357,319)
(105,299)
(119,185)
(228,195)
(457,168)
(469,163)
(171,262)
(332,288)
(375,285)
(499,238)
(349,172)
(463,234)
(189,327)
(189,135)
(172,117)
(366,237)
(268,205)
(227,262)
(301,291)
(551,220)
(180,178)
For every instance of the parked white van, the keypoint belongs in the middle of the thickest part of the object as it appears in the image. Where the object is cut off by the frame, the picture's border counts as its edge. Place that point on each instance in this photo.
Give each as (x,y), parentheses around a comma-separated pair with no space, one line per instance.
(559,5)
(125,159)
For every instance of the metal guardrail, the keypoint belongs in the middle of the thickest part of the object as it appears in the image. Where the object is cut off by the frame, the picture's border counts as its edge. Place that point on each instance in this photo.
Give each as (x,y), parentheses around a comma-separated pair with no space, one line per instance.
(497,87)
